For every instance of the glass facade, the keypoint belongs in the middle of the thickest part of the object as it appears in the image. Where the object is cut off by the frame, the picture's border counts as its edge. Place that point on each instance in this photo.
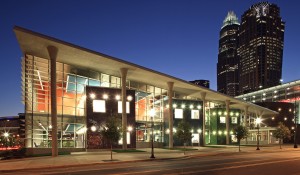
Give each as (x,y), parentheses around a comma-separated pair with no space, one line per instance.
(70,104)
(151,106)
(216,125)
(71,82)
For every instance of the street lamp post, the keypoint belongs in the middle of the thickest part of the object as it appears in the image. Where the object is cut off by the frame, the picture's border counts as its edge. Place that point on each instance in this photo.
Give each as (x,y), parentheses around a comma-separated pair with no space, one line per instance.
(258,121)
(152,113)
(152,146)
(295,136)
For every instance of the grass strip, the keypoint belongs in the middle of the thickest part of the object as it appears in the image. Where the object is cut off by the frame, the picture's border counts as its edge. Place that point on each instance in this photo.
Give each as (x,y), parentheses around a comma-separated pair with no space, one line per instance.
(127,150)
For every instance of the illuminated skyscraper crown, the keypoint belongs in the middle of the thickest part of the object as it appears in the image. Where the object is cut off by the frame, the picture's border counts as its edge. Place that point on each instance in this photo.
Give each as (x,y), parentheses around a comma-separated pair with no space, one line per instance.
(261,9)
(230,19)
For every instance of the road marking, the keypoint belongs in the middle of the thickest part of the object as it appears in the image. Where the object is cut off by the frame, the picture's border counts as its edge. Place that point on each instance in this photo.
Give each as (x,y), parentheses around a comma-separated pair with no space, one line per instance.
(214,169)
(241,166)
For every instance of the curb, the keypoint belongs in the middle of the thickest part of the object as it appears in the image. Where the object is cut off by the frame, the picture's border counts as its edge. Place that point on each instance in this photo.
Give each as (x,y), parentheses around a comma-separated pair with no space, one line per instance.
(242,152)
(94,163)
(193,155)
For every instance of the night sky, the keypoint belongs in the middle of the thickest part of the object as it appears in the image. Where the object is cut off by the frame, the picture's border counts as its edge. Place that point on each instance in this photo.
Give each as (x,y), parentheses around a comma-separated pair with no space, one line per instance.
(176,37)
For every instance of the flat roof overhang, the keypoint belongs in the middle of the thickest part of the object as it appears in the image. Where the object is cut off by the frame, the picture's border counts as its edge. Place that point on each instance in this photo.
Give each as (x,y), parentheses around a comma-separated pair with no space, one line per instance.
(36,44)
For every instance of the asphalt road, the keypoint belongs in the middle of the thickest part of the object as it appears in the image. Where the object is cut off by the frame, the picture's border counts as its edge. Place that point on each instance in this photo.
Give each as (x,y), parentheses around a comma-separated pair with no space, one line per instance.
(281,163)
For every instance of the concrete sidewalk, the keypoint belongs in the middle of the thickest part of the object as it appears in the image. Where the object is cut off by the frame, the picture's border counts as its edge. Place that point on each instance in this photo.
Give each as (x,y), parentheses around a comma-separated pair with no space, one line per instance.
(103,157)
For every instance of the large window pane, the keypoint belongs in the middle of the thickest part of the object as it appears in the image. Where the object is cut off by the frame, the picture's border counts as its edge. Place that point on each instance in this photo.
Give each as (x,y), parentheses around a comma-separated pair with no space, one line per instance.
(99,106)
(120,107)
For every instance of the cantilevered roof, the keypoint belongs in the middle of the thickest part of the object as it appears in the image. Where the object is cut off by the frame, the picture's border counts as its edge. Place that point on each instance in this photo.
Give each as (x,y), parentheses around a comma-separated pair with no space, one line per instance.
(36,44)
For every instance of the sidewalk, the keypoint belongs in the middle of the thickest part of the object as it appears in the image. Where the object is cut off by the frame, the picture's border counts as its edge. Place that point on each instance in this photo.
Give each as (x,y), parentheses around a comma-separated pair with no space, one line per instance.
(103,157)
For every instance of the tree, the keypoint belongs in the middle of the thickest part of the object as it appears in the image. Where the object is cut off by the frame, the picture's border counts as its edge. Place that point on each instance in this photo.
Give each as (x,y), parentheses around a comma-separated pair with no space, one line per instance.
(111,131)
(241,132)
(184,133)
(282,132)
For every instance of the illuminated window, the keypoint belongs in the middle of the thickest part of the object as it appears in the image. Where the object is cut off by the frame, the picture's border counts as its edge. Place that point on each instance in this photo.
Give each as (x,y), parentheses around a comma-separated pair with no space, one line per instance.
(99,106)
(128,139)
(115,81)
(195,138)
(222,120)
(178,113)
(234,120)
(75,83)
(104,80)
(93,82)
(120,107)
(195,114)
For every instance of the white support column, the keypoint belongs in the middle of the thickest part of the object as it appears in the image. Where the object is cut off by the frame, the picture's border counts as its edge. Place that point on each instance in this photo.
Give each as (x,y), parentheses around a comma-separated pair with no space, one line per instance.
(123,72)
(261,113)
(227,102)
(203,97)
(269,137)
(170,97)
(52,51)
(251,114)
(246,115)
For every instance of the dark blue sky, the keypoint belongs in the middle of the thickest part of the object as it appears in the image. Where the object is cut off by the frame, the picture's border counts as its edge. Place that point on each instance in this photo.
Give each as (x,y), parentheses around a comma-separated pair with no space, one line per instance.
(151,33)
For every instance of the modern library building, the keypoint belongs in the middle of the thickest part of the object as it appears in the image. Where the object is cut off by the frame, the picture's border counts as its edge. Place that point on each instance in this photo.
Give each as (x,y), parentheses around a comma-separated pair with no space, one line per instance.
(69,91)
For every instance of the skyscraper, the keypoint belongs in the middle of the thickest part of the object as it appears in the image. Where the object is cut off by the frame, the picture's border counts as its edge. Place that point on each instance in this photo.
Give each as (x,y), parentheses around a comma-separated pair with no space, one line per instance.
(227,66)
(260,49)
(203,83)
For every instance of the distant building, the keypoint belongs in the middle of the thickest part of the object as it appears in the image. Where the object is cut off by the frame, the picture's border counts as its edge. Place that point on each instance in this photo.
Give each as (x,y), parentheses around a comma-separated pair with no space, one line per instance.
(284,98)
(227,66)
(9,124)
(288,93)
(14,127)
(260,50)
(203,83)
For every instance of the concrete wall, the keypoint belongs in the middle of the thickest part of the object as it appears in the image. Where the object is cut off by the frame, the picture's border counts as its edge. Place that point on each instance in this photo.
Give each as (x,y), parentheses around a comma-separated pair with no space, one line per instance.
(36,151)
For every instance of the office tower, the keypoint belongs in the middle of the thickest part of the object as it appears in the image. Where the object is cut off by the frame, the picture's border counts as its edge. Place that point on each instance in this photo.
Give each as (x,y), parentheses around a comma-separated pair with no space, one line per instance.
(260,49)
(227,66)
(203,83)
